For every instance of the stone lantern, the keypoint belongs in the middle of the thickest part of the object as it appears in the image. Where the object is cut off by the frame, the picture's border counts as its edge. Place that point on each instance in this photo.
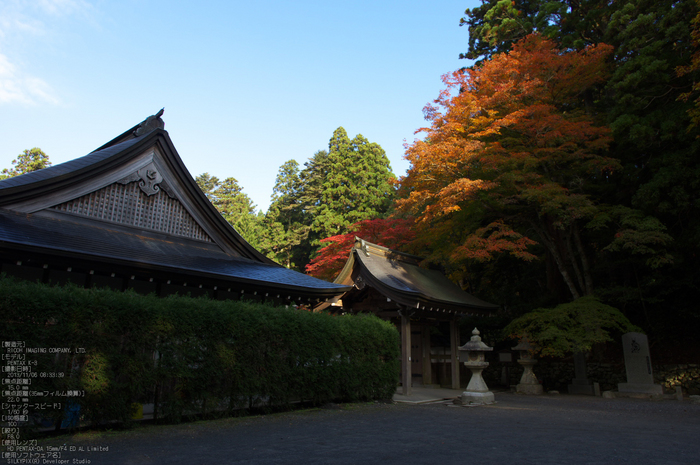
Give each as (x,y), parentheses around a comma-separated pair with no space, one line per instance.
(528,382)
(472,354)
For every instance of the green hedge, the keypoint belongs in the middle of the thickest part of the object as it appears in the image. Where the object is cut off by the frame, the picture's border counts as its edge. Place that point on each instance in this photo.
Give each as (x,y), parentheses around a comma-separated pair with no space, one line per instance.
(193,356)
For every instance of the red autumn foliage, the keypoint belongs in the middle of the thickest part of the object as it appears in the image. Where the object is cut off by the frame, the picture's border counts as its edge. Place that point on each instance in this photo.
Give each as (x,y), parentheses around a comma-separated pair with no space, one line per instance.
(392,233)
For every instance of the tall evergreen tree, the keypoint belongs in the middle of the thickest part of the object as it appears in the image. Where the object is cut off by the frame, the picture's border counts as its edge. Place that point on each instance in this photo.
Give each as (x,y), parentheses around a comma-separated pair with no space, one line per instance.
(312,179)
(357,184)
(496,25)
(350,182)
(284,224)
(234,205)
(237,208)
(207,183)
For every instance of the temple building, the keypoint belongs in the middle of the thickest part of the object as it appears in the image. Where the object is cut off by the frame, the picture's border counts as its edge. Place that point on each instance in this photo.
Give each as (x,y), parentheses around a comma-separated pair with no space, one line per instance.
(130,216)
(394,287)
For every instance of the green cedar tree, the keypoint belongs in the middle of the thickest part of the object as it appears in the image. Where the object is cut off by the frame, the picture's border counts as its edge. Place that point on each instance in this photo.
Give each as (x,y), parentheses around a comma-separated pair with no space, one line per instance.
(357,184)
(237,209)
(285,224)
(207,183)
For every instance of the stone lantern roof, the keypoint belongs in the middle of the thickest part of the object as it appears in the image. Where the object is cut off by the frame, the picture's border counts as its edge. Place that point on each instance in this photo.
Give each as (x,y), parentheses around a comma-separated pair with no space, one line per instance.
(475,344)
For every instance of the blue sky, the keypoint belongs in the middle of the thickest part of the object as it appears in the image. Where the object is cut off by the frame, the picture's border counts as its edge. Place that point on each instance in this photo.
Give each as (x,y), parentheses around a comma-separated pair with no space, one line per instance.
(246,86)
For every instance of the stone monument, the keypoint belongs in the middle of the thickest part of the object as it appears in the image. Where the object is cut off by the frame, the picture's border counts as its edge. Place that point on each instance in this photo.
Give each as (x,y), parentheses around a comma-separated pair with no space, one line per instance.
(472,354)
(580,384)
(640,379)
(528,382)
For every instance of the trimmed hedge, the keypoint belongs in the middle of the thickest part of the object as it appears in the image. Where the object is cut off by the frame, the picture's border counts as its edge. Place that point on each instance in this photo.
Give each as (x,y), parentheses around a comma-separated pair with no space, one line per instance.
(193,356)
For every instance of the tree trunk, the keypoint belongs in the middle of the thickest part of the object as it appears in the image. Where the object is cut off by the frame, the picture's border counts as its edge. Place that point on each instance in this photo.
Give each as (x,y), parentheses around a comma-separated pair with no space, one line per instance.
(588,279)
(574,264)
(549,243)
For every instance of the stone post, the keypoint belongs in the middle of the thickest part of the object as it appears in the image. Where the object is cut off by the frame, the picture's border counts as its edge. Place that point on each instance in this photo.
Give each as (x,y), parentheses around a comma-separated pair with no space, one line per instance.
(580,384)
(640,379)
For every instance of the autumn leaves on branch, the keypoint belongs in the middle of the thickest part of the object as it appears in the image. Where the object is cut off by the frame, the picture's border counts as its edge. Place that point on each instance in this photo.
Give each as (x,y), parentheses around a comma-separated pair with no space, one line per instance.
(510,156)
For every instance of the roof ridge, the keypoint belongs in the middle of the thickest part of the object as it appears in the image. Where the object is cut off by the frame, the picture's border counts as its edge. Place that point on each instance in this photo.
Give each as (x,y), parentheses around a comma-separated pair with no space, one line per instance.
(387,251)
(141,129)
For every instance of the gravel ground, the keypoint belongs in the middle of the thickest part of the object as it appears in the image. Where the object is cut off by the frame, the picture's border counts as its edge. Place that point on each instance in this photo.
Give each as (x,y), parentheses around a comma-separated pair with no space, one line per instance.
(516,429)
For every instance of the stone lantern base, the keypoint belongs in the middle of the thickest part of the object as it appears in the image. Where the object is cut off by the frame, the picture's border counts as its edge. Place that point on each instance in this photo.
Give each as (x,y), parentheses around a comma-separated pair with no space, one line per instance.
(528,382)
(479,398)
(535,389)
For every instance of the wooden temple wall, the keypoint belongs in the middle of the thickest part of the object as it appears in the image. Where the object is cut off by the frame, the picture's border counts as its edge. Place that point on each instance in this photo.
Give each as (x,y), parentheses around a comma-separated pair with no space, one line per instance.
(428,365)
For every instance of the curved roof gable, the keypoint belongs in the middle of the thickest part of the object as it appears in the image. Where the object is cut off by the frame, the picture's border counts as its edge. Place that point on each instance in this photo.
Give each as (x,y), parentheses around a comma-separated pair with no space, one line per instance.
(19,186)
(399,277)
(132,203)
(130,158)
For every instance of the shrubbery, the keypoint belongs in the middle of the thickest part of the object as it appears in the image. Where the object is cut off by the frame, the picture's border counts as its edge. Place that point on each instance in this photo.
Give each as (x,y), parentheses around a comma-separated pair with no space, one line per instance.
(193,355)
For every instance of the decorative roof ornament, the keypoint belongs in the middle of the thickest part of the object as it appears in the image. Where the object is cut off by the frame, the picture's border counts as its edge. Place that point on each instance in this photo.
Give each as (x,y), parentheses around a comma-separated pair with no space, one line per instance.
(150,181)
(150,123)
(150,178)
(363,245)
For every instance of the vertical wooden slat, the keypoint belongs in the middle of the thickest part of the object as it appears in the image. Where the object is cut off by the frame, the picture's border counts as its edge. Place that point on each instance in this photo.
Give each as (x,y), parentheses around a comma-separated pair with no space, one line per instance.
(427,367)
(110,202)
(91,210)
(406,375)
(454,353)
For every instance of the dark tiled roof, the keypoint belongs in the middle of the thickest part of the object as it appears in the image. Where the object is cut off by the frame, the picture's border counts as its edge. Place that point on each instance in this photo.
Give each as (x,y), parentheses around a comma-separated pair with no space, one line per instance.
(67,168)
(414,284)
(98,240)
(399,277)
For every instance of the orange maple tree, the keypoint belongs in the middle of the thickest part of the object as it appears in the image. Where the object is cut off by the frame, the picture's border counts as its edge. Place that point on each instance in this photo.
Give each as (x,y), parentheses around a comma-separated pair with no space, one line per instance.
(507,158)
(393,233)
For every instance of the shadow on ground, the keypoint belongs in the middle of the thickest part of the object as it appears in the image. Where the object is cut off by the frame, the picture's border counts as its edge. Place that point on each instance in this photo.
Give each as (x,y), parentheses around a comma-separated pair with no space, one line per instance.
(518,429)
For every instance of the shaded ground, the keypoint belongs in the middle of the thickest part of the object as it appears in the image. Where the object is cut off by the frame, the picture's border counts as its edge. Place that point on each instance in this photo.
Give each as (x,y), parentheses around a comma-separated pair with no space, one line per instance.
(517,429)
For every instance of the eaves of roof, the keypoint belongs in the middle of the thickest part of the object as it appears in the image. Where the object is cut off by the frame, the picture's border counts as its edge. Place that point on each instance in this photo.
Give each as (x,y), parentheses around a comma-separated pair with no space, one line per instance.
(99,242)
(399,277)
(47,180)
